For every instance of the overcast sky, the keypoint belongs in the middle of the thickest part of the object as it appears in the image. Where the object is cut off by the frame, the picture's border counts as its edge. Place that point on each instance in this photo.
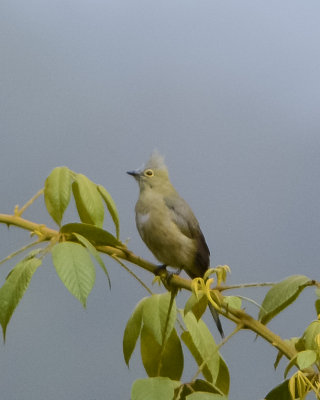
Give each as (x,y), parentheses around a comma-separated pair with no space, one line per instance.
(229,92)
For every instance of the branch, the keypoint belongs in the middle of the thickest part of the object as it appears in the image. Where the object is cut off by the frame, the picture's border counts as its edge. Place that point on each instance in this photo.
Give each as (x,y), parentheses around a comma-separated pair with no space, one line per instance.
(239,317)
(40,230)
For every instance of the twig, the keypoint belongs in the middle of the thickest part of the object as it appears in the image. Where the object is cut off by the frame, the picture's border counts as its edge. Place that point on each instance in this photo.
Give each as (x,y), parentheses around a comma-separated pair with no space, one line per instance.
(131,273)
(243,285)
(19,211)
(20,251)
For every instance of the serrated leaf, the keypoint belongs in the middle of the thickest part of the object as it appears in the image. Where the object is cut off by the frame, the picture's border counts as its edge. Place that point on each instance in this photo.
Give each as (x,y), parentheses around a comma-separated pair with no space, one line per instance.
(93,251)
(158,361)
(280,392)
(57,192)
(14,288)
(132,331)
(302,360)
(187,339)
(223,378)
(306,358)
(95,235)
(156,315)
(199,385)
(154,389)
(233,301)
(281,296)
(75,268)
(210,376)
(112,208)
(88,201)
(205,396)
(197,305)
(310,334)
(202,346)
(317,306)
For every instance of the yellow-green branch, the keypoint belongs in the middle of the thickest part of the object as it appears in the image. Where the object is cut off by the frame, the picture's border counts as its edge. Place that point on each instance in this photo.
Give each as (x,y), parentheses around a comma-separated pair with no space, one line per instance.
(40,230)
(239,317)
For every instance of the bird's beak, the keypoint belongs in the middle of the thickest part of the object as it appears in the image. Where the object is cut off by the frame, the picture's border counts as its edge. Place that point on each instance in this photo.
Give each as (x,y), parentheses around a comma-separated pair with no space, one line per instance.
(135,173)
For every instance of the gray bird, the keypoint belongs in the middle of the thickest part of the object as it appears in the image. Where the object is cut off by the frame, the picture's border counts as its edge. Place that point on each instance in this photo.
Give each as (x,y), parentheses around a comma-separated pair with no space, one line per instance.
(167,224)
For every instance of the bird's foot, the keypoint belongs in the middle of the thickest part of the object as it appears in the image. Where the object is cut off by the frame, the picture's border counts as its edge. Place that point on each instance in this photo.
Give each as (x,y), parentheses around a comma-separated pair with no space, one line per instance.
(166,275)
(161,269)
(177,271)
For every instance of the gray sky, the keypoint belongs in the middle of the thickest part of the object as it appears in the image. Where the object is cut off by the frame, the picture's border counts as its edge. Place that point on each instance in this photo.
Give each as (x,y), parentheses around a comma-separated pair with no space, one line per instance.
(229,92)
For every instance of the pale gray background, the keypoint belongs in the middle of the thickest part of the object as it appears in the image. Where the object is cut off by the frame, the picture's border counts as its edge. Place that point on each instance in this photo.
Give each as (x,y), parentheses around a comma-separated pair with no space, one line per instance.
(229,92)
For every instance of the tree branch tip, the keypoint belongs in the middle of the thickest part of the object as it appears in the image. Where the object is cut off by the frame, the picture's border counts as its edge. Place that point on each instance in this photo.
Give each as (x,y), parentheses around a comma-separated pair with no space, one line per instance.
(16,211)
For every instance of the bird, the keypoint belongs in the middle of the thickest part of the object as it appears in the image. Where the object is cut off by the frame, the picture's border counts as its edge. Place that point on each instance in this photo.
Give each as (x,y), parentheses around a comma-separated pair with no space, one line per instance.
(168,226)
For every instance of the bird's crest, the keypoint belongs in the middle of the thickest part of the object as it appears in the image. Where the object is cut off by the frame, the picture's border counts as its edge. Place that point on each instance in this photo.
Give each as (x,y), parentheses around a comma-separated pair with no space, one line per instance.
(156,161)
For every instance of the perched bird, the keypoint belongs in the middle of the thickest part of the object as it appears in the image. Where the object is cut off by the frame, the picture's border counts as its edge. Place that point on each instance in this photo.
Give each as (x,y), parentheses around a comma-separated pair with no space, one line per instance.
(167,224)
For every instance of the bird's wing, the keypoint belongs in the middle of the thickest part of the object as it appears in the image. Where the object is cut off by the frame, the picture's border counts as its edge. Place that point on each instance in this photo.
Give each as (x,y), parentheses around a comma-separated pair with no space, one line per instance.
(182,215)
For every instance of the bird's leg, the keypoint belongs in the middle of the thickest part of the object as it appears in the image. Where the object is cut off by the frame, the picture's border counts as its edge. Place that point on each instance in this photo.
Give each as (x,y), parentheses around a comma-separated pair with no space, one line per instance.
(178,271)
(160,269)
(166,275)
(163,267)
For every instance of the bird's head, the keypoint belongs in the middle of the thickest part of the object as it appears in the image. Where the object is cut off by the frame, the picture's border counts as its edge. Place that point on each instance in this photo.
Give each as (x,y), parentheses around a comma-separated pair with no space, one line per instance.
(153,174)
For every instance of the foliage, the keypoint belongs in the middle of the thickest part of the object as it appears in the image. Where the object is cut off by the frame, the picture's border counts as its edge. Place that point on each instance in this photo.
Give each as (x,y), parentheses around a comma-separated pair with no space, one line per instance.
(163,331)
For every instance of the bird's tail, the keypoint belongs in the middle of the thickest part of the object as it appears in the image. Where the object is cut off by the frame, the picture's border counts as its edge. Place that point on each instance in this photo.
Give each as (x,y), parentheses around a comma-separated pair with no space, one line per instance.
(216,318)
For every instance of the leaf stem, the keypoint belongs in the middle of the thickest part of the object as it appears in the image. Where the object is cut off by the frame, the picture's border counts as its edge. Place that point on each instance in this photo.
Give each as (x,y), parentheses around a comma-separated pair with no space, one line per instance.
(18,212)
(21,250)
(132,273)
(244,285)
(173,294)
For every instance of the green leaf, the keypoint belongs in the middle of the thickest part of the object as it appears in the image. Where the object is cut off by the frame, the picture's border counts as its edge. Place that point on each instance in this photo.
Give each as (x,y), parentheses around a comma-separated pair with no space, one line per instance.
(57,191)
(223,379)
(199,385)
(281,296)
(280,392)
(88,201)
(14,288)
(75,269)
(154,389)
(111,205)
(164,361)
(202,346)
(317,306)
(302,360)
(205,396)
(132,331)
(93,251)
(95,235)
(156,318)
(196,305)
(233,301)
(310,334)
(306,358)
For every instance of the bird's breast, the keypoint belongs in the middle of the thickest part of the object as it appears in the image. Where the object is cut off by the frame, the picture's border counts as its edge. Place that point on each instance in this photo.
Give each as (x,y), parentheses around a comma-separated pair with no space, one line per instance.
(168,244)
(141,221)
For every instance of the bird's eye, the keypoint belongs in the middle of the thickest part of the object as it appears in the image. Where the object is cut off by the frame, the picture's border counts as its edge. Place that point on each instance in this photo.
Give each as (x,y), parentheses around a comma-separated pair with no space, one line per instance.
(148,172)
